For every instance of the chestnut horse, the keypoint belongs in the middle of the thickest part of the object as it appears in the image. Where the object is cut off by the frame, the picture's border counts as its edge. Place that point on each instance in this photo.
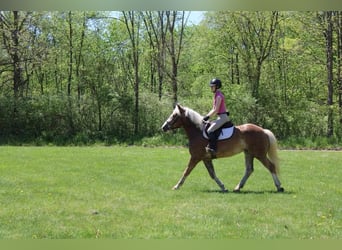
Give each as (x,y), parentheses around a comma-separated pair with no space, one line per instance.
(253,140)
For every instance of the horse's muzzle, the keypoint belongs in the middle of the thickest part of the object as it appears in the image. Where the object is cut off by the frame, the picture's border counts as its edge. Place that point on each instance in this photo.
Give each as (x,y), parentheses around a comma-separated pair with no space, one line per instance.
(165,127)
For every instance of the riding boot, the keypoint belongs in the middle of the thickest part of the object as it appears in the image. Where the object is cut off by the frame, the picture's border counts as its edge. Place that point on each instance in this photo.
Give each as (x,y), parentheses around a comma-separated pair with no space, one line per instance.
(212,146)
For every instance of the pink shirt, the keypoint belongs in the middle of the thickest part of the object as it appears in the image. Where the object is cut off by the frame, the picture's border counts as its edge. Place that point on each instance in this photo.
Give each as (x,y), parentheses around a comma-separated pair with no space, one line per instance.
(222,108)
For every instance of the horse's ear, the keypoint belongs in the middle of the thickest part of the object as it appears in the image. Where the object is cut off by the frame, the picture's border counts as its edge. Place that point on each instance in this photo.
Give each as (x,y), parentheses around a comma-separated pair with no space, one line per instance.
(180,108)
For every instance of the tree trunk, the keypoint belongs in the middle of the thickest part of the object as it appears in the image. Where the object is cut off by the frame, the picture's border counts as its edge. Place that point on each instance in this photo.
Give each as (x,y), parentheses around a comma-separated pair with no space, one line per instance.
(17,73)
(328,33)
(79,57)
(174,47)
(339,62)
(70,116)
(133,28)
(171,20)
(70,53)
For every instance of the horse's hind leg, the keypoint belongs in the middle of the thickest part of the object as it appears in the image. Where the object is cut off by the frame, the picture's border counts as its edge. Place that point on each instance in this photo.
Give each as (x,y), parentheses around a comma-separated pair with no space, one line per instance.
(271,167)
(249,170)
(210,167)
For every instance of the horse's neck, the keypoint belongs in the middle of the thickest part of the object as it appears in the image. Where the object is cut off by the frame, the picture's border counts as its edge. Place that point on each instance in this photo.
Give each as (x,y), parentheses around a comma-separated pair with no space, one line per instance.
(192,130)
(195,119)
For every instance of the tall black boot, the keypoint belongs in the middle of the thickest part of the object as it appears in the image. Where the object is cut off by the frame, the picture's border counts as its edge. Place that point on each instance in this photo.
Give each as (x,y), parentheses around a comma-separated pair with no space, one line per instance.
(212,146)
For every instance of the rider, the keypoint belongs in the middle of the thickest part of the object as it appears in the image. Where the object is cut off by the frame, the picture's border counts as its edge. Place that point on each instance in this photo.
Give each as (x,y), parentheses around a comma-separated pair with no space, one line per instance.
(219,109)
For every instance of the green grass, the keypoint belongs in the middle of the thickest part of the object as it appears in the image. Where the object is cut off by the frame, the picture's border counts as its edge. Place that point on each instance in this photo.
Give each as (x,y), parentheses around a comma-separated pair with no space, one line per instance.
(125,193)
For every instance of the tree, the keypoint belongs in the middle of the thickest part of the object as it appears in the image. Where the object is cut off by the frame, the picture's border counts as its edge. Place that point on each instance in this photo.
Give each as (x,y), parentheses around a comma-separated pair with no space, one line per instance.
(328,35)
(339,62)
(330,24)
(132,22)
(174,46)
(156,28)
(13,30)
(248,36)
(77,75)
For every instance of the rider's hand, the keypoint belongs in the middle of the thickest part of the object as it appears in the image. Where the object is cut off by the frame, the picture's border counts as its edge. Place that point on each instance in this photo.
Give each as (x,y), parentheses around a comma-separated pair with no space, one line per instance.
(206,118)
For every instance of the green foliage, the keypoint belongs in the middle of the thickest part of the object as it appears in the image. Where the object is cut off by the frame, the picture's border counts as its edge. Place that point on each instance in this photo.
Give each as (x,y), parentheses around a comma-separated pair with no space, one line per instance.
(311,143)
(74,80)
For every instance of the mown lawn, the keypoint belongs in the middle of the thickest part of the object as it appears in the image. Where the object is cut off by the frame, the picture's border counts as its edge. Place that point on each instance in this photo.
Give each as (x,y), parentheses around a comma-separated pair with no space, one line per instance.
(125,193)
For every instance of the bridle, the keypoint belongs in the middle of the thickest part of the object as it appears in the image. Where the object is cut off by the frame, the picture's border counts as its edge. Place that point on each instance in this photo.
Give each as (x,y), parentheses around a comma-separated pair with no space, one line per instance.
(170,122)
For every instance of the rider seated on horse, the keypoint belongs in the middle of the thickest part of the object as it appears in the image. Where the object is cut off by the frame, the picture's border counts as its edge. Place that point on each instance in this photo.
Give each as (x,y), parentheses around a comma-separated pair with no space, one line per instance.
(219,109)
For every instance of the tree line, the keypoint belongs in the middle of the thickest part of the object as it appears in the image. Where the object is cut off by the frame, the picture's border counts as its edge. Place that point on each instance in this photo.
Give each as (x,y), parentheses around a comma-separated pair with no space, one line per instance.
(86,76)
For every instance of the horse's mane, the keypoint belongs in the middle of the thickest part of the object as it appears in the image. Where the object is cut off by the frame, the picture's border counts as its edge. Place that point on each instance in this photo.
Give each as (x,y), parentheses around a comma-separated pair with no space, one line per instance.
(195,117)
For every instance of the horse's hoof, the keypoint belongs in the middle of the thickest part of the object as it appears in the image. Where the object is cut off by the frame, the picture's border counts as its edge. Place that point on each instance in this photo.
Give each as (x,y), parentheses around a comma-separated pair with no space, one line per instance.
(281,190)
(237,189)
(224,191)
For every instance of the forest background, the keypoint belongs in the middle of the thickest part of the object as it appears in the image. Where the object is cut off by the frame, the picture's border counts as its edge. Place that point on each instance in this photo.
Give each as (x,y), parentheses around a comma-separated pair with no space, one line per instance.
(84,77)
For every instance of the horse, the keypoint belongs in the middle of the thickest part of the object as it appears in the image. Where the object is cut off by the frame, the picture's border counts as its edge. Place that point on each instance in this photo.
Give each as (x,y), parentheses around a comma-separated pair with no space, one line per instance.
(249,138)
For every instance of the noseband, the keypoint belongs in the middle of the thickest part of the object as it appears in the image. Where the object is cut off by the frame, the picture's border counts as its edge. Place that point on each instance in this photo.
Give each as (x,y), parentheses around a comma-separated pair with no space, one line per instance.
(169,124)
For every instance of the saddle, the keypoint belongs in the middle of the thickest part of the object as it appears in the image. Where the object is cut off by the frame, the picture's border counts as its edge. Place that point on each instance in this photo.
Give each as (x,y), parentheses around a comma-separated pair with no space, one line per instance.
(223,133)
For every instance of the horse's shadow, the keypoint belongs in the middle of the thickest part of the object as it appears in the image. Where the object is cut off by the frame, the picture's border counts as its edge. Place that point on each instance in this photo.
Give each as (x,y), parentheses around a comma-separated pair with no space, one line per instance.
(244,192)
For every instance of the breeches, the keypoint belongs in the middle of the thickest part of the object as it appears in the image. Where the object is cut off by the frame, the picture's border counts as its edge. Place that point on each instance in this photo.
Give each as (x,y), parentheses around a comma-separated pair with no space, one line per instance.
(221,119)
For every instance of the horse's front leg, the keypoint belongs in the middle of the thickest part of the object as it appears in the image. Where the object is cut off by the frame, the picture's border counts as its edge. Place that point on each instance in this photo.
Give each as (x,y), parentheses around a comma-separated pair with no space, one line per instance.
(210,167)
(192,163)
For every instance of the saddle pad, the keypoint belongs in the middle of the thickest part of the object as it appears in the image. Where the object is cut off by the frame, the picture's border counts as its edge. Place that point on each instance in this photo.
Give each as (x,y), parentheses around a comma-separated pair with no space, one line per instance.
(225,134)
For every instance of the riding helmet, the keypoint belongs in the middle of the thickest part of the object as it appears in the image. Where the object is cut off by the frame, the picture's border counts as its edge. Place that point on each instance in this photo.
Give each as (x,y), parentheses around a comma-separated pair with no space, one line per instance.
(215,82)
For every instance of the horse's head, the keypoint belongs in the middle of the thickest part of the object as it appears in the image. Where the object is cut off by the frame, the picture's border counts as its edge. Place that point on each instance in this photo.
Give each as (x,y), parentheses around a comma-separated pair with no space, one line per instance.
(175,119)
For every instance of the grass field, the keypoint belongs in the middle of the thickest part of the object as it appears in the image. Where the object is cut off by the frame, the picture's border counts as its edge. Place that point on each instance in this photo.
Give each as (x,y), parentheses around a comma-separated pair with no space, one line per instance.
(125,193)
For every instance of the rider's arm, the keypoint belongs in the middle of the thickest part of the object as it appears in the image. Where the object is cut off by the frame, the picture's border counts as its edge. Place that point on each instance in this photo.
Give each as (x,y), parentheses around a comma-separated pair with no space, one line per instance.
(216,108)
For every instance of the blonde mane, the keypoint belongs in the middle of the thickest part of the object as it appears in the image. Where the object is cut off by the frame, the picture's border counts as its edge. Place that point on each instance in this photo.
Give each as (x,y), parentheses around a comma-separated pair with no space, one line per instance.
(195,117)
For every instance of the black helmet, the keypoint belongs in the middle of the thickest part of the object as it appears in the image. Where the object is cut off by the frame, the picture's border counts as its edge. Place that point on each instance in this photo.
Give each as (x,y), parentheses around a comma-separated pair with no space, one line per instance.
(215,82)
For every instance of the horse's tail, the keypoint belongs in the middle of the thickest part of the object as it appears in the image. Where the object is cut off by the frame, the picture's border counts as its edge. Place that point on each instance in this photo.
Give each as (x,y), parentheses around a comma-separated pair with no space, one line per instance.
(272,151)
